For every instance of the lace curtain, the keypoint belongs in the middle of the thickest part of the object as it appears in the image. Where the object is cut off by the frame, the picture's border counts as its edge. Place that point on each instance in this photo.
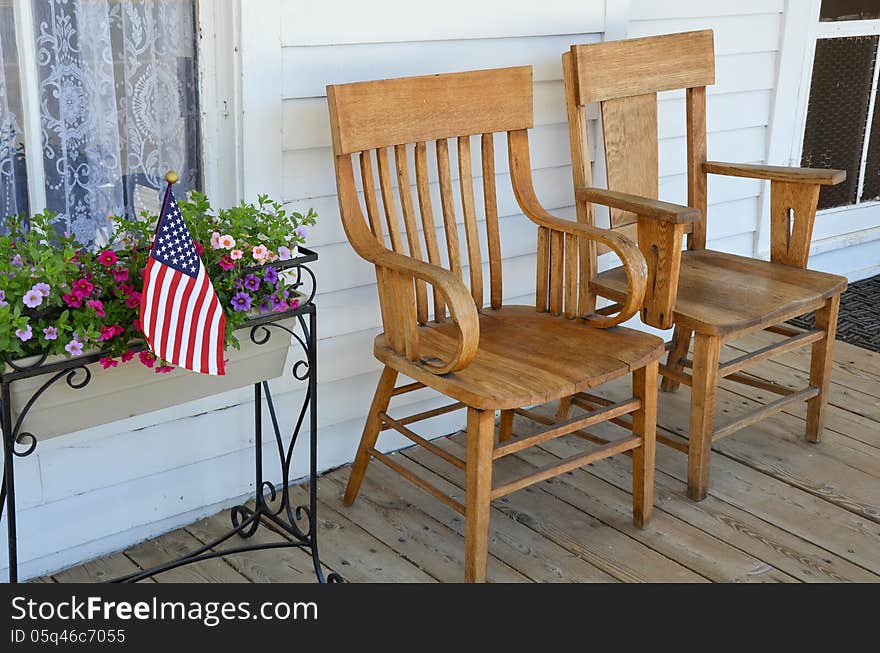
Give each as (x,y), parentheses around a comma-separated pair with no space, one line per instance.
(117,101)
(13,180)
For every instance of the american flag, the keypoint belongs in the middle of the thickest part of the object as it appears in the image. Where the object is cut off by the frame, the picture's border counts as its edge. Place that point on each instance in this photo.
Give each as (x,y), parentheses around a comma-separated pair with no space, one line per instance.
(181,315)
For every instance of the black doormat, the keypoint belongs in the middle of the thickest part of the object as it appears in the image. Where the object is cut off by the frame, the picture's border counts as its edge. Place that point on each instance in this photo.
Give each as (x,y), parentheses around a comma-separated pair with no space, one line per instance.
(859,321)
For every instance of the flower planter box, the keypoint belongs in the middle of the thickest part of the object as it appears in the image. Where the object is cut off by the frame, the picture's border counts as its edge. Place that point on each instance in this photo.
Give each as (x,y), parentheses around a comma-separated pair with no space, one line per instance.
(133,389)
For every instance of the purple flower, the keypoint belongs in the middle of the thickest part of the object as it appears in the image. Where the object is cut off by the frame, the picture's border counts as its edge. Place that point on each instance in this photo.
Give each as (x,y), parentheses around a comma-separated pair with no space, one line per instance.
(265,307)
(43,288)
(74,347)
(284,253)
(32,298)
(25,334)
(17,262)
(270,275)
(301,231)
(241,302)
(3,301)
(238,284)
(252,282)
(278,303)
(50,333)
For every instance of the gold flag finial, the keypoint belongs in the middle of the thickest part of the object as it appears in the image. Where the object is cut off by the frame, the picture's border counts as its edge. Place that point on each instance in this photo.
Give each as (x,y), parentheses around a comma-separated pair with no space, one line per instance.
(171,177)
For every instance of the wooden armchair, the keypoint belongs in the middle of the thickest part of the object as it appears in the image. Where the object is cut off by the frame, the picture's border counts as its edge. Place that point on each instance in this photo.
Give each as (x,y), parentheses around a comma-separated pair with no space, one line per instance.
(717,297)
(437,331)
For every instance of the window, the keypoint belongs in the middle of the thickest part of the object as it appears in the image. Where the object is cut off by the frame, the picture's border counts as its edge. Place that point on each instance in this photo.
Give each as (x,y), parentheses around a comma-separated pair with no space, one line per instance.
(843,117)
(96,97)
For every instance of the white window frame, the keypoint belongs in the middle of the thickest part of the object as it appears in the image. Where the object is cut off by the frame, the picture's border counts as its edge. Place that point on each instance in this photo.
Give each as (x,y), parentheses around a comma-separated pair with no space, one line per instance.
(218,48)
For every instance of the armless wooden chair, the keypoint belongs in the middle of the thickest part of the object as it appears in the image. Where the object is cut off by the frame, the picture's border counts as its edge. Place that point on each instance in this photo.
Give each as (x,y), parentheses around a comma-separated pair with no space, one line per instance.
(717,297)
(484,358)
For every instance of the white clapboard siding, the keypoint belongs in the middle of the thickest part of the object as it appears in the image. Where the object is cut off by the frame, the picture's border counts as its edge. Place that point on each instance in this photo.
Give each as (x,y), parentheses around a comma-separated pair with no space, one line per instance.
(194,459)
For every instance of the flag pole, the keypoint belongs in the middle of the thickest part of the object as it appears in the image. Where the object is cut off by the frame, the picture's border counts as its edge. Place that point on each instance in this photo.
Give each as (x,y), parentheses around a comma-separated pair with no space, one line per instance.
(171,178)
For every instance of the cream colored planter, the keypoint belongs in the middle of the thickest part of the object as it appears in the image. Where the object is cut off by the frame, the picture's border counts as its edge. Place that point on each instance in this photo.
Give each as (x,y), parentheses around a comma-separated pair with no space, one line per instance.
(132,389)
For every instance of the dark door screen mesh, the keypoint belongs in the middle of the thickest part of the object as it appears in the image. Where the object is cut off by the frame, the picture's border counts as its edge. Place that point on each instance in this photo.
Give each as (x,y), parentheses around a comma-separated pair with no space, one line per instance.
(837,112)
(849,9)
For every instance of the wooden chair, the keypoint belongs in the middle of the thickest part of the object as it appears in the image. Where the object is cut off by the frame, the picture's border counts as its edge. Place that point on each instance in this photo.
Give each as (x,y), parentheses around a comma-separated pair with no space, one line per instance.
(717,297)
(437,331)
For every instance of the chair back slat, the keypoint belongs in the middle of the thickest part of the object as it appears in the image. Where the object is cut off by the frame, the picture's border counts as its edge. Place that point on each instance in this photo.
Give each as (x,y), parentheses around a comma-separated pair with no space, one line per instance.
(542,282)
(631,159)
(370,199)
(447,204)
(387,188)
(411,226)
(557,240)
(429,227)
(472,237)
(490,205)
(695,102)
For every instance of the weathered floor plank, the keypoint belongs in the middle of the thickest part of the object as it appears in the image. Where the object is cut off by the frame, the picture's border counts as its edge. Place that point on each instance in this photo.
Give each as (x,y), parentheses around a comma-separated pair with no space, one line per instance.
(779,509)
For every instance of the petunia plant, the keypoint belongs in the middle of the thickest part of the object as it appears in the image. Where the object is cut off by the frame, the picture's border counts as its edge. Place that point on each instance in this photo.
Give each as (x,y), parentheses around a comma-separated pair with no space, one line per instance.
(58,296)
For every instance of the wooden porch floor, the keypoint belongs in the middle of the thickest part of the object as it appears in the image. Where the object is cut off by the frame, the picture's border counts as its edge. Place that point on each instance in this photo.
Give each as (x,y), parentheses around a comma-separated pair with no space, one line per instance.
(780,509)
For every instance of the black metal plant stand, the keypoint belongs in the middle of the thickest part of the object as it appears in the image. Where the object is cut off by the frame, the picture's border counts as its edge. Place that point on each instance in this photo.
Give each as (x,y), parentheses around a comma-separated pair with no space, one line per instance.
(272,502)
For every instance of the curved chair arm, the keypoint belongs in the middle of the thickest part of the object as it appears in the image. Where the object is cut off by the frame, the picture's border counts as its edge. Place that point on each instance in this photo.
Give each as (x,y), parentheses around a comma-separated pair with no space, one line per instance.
(457,297)
(396,274)
(641,206)
(630,256)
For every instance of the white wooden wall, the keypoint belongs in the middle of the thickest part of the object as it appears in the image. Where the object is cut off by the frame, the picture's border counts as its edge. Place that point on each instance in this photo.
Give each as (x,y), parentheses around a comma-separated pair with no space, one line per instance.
(101,490)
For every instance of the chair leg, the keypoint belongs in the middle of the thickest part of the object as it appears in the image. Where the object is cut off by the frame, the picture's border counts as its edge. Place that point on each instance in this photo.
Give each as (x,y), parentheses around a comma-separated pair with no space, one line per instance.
(505,429)
(704,381)
(820,367)
(478,491)
(644,383)
(371,433)
(564,409)
(681,342)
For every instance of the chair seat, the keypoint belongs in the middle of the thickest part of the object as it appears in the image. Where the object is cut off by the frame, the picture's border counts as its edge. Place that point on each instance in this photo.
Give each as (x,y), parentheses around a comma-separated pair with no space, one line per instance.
(721,293)
(526,358)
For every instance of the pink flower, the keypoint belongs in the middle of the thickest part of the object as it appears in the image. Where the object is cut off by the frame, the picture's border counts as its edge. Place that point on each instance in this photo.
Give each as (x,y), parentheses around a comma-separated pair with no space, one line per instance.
(260,252)
(294,303)
(199,247)
(134,300)
(82,288)
(127,356)
(108,362)
(25,334)
(271,256)
(227,263)
(32,298)
(215,240)
(147,358)
(164,369)
(110,332)
(107,258)
(126,288)
(72,300)
(98,306)
(226,241)
(50,333)
(236,254)
(137,324)
(120,275)
(74,347)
